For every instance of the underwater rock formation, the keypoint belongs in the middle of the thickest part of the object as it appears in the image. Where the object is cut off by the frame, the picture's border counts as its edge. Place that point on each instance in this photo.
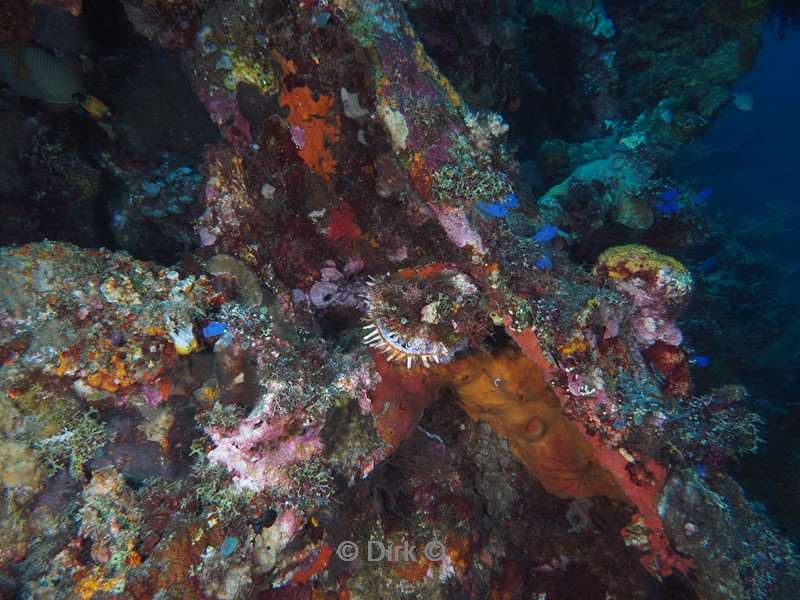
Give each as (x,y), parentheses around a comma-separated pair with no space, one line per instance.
(376,329)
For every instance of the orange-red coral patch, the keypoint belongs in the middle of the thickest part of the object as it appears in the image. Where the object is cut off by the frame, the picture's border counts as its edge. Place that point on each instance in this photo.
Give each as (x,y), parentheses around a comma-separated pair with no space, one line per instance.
(314,129)
(341,224)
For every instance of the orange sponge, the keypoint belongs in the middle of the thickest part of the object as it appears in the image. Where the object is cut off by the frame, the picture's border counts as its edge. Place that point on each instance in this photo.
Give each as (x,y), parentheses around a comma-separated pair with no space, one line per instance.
(506,392)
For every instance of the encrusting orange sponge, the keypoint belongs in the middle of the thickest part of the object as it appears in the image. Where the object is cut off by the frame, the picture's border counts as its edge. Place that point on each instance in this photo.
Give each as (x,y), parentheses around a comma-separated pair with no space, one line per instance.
(506,392)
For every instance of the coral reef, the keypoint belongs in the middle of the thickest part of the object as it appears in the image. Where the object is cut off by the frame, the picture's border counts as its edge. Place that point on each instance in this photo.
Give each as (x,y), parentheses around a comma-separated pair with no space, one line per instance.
(373,325)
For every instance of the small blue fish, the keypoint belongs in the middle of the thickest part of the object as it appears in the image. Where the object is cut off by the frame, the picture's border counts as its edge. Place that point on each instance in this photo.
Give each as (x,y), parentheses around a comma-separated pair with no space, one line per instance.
(699,361)
(493,210)
(511,201)
(214,329)
(545,234)
(544,262)
(709,265)
(702,195)
(701,471)
(667,207)
(229,546)
(670,195)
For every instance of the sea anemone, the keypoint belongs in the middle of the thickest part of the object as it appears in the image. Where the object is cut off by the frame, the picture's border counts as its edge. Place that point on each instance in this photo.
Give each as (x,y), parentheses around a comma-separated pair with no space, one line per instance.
(424,314)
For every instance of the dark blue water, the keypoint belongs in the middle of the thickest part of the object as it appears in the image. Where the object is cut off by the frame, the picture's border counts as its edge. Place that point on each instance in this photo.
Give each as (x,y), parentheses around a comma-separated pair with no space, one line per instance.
(752,158)
(752,161)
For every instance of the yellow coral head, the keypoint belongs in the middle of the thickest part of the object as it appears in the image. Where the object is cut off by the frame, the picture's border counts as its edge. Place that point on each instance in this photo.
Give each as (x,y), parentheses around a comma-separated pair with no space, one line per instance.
(634,264)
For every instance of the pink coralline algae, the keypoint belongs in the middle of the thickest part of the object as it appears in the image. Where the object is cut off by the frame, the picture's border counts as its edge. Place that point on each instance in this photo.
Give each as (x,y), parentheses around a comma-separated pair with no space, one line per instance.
(298,137)
(224,111)
(456,224)
(260,448)
(650,326)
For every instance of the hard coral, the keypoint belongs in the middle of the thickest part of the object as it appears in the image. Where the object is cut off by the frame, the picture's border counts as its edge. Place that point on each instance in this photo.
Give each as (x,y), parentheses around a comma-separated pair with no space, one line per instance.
(738,553)
(658,286)
(114,325)
(647,276)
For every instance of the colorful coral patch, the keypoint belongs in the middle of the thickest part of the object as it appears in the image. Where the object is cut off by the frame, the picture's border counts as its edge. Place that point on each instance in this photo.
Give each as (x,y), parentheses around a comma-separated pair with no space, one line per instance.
(313,128)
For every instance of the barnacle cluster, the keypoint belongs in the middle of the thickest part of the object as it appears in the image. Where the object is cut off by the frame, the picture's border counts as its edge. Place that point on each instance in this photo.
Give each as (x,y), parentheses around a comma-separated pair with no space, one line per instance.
(424,314)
